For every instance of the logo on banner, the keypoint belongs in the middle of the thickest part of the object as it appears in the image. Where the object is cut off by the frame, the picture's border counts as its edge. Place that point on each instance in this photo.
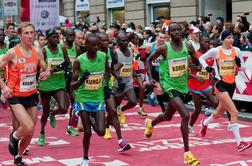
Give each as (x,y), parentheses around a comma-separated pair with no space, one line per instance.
(44,14)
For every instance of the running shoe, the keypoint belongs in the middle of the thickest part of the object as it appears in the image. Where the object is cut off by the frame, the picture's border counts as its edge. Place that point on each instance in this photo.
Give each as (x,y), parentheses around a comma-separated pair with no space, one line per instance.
(123,146)
(107,134)
(191,130)
(41,140)
(13,145)
(52,121)
(148,128)
(121,116)
(18,161)
(243,146)
(84,162)
(151,101)
(142,112)
(190,159)
(203,129)
(71,131)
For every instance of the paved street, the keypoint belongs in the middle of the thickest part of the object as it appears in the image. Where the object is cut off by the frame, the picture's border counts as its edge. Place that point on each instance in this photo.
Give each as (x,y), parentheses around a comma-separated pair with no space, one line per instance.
(165,147)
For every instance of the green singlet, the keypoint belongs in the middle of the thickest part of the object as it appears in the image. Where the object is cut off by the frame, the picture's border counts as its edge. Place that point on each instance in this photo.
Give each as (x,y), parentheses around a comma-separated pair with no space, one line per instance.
(92,88)
(174,70)
(56,80)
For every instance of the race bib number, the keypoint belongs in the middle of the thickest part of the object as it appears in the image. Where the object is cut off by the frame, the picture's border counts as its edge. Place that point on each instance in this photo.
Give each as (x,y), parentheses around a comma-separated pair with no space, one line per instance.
(28,82)
(53,62)
(94,81)
(126,70)
(178,67)
(203,74)
(227,67)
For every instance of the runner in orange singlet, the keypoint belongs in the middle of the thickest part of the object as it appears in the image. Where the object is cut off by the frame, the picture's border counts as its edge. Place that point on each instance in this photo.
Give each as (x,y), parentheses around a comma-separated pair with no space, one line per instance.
(226,59)
(21,88)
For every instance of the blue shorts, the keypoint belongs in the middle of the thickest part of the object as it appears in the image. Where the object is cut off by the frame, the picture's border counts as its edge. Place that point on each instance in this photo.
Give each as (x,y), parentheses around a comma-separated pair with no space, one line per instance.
(201,92)
(89,106)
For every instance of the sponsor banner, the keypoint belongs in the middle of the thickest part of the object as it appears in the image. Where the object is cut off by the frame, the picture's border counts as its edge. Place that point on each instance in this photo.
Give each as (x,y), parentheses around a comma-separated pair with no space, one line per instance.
(115,3)
(82,5)
(156,1)
(44,14)
(243,80)
(10,7)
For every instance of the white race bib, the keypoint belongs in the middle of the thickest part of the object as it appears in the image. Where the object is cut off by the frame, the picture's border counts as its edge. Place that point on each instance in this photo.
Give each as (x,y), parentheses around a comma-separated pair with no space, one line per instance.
(94,81)
(28,82)
(227,67)
(178,67)
(126,70)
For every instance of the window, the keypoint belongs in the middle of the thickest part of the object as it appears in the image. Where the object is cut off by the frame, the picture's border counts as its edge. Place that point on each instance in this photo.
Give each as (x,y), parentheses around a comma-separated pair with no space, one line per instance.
(118,15)
(160,11)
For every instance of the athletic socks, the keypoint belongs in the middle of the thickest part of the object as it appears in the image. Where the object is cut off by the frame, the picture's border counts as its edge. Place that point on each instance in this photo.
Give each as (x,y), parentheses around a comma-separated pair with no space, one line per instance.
(235,129)
(208,120)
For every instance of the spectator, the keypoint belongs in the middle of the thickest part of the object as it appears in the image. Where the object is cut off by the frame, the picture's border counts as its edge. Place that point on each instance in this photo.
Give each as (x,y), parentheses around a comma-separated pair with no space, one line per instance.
(10,27)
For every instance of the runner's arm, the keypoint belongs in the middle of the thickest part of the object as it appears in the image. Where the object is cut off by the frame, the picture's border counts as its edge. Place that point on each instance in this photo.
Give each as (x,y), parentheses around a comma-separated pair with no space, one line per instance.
(192,53)
(107,71)
(76,69)
(42,65)
(160,51)
(213,52)
(239,55)
(66,58)
(5,59)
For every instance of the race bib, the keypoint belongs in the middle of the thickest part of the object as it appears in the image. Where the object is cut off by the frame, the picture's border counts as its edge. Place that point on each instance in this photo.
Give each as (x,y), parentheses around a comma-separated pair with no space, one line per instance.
(94,81)
(126,70)
(53,62)
(178,67)
(227,67)
(28,82)
(203,74)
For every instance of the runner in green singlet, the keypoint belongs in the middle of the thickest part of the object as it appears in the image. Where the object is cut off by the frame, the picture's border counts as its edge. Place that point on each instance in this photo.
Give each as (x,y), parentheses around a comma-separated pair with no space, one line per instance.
(110,103)
(90,80)
(70,46)
(57,60)
(173,75)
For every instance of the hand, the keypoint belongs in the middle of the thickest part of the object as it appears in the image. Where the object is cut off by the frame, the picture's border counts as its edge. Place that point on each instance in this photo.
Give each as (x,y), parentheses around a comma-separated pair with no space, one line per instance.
(106,92)
(68,75)
(152,82)
(238,61)
(60,67)
(6,92)
(121,84)
(84,76)
(209,69)
(44,75)
(137,56)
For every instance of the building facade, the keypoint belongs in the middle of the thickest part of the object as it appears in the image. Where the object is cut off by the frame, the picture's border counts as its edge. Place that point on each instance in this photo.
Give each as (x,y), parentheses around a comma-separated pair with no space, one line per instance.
(143,12)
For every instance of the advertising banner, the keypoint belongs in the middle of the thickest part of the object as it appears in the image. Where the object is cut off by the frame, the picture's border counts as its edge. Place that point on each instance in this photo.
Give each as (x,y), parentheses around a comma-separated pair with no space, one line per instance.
(81,5)
(44,14)
(10,7)
(115,3)
(243,80)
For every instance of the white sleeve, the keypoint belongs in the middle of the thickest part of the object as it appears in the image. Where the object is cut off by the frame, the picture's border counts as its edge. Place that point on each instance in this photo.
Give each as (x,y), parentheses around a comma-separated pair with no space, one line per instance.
(239,55)
(213,52)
